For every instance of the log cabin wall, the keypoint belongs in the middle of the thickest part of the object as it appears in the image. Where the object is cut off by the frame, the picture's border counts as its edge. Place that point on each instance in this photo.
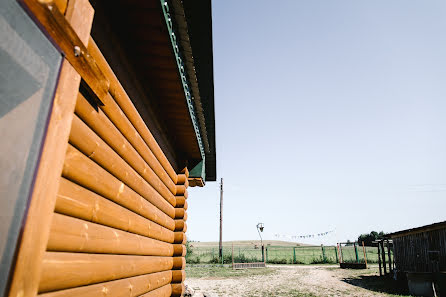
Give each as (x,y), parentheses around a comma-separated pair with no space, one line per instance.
(108,213)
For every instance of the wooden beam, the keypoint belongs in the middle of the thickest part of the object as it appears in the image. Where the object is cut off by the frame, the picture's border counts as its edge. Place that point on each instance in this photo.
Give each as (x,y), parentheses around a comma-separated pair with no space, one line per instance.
(70,43)
(86,140)
(76,201)
(68,270)
(164,291)
(129,287)
(74,235)
(25,278)
(83,171)
(130,111)
(104,128)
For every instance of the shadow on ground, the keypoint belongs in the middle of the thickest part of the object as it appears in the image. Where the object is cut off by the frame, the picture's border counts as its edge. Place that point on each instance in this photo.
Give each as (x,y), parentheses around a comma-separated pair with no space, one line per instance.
(379,284)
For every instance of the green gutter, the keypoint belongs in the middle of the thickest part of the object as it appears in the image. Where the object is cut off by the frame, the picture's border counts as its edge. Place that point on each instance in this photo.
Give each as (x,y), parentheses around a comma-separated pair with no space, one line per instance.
(182,71)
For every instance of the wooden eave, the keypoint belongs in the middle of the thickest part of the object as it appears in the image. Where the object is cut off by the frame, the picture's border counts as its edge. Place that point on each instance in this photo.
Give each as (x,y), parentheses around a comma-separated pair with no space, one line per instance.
(141,30)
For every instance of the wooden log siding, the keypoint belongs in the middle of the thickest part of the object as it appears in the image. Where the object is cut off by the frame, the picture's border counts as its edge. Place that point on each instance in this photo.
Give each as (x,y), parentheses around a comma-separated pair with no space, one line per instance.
(131,287)
(74,235)
(99,122)
(130,110)
(83,171)
(178,276)
(78,202)
(118,225)
(84,139)
(68,270)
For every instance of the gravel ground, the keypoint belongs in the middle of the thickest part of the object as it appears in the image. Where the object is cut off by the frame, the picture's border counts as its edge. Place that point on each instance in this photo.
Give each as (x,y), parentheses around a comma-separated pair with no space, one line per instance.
(292,280)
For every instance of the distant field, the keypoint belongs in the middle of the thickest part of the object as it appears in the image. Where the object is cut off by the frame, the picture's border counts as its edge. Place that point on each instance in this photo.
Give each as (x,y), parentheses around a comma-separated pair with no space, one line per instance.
(279,252)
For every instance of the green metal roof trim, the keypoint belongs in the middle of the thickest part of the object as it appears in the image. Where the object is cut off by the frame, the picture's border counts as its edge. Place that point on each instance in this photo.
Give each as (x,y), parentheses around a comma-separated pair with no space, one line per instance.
(199,22)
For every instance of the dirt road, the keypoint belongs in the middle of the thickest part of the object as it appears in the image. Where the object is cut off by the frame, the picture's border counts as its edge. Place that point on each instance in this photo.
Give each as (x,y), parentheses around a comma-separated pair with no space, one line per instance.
(293,280)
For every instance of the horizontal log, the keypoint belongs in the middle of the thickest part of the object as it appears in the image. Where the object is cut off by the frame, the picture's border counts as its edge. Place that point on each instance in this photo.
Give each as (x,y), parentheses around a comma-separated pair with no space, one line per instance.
(179,213)
(68,270)
(83,171)
(186,205)
(69,234)
(101,124)
(182,179)
(179,263)
(180,201)
(130,110)
(177,290)
(180,225)
(179,237)
(179,250)
(178,276)
(129,287)
(120,121)
(181,189)
(76,201)
(165,291)
(86,140)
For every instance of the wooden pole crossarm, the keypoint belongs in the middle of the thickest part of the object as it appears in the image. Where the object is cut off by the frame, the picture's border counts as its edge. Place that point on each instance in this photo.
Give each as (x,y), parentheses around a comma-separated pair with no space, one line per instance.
(68,42)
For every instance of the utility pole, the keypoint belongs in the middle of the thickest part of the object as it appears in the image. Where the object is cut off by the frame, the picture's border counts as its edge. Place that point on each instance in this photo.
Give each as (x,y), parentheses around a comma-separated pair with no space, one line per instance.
(220,245)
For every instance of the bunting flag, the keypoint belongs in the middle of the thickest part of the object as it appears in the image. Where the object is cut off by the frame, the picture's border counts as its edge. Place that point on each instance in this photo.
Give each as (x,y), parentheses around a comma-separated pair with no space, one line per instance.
(295,237)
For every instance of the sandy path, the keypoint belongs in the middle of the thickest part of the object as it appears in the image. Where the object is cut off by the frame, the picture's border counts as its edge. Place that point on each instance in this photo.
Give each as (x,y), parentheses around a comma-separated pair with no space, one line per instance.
(285,281)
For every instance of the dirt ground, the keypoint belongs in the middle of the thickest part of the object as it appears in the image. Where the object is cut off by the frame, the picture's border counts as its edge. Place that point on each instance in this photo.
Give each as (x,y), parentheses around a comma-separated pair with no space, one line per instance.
(293,280)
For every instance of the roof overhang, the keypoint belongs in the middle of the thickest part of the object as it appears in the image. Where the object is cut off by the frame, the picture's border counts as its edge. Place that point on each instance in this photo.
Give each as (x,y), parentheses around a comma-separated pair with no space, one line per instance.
(169,43)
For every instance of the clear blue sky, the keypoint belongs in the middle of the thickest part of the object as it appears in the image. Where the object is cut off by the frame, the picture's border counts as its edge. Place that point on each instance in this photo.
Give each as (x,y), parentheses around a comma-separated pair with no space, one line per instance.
(329,115)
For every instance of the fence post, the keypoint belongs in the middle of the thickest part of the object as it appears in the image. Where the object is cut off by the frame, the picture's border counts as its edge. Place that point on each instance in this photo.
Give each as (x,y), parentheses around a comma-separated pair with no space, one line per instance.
(379,260)
(336,254)
(356,252)
(323,253)
(266,255)
(294,255)
(365,256)
(232,255)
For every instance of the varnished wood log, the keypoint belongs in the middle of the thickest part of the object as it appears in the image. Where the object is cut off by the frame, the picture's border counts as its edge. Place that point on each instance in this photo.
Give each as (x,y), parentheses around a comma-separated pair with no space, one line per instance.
(101,124)
(179,237)
(164,291)
(179,263)
(178,290)
(34,235)
(178,276)
(179,213)
(180,201)
(186,205)
(115,114)
(84,139)
(180,225)
(179,250)
(83,171)
(74,235)
(129,287)
(130,111)
(76,201)
(68,270)
(181,189)
(182,179)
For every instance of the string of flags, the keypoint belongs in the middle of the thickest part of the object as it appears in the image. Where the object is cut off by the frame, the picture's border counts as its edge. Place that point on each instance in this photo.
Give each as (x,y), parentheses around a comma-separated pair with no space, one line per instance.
(294,237)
